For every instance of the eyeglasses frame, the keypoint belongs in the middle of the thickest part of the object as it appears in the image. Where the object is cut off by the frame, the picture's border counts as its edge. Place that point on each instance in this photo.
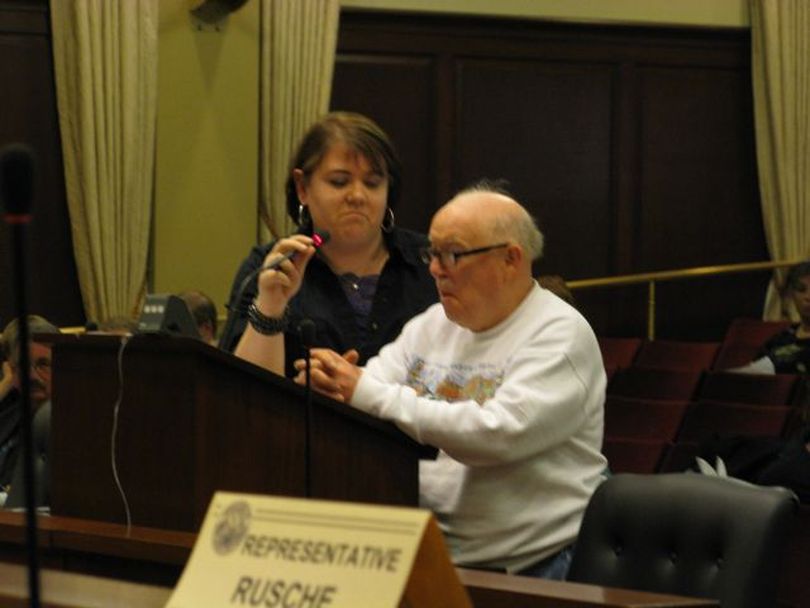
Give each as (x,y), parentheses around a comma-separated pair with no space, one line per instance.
(428,254)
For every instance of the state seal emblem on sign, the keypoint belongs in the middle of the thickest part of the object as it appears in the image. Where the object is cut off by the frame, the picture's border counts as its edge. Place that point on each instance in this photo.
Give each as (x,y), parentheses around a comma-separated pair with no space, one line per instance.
(232,527)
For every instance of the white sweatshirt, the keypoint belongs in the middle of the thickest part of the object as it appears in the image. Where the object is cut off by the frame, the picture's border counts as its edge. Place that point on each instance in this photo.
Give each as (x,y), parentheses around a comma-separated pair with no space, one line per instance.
(517,413)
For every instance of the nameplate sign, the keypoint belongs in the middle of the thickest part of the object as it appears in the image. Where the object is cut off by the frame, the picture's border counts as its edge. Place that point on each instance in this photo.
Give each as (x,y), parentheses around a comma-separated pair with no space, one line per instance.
(300,553)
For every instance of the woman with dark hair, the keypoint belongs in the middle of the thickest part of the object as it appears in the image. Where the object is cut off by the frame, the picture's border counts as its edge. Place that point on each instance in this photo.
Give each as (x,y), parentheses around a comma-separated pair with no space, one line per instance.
(367,279)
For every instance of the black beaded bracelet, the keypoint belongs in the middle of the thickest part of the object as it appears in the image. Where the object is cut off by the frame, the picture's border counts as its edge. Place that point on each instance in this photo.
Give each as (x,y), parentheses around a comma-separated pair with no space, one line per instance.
(267,326)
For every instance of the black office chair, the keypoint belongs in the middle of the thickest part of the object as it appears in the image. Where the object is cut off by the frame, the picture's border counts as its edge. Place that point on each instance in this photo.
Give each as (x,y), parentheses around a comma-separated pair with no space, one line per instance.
(685,534)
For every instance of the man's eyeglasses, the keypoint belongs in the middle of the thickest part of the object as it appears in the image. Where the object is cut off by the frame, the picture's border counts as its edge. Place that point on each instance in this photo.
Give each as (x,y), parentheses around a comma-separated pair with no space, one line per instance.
(41,365)
(448,259)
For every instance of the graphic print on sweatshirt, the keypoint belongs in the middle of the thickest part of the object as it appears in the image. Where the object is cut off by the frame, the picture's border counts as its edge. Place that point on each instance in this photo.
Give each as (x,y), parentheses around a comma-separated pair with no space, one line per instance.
(454,382)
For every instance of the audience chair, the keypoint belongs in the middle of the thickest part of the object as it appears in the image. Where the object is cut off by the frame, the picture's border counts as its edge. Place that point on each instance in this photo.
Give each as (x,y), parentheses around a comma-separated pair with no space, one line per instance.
(643,418)
(753,331)
(618,352)
(744,339)
(679,457)
(649,383)
(708,418)
(633,455)
(755,389)
(735,355)
(677,355)
(685,534)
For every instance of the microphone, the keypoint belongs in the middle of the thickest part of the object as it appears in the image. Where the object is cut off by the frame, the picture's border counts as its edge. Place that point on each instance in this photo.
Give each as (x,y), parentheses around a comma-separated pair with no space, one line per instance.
(17,182)
(319,239)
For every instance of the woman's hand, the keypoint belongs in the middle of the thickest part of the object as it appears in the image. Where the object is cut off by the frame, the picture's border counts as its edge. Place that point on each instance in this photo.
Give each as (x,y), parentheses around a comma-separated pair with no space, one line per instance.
(278,286)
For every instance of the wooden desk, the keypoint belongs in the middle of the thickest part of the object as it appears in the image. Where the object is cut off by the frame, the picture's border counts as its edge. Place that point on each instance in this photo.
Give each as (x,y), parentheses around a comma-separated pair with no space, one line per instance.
(214,422)
(70,590)
(505,591)
(157,557)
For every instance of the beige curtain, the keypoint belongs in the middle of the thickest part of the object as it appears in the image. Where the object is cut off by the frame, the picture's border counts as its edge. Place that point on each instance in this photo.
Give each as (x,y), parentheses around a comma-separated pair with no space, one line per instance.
(780,46)
(105,62)
(298,41)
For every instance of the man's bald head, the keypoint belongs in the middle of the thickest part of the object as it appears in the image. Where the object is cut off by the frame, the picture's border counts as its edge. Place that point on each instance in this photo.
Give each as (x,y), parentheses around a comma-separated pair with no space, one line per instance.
(482,245)
(500,216)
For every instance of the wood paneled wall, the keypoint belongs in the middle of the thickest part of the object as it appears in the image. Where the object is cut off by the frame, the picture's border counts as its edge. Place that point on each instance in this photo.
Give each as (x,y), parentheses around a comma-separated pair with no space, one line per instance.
(634,147)
(28,114)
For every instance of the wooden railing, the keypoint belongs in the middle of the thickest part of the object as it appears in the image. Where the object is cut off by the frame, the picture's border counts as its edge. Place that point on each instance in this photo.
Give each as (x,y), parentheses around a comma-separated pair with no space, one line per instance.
(651,278)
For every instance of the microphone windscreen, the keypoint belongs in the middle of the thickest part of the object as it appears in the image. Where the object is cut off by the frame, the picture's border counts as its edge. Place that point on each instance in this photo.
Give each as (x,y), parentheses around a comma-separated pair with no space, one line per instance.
(16,179)
(320,237)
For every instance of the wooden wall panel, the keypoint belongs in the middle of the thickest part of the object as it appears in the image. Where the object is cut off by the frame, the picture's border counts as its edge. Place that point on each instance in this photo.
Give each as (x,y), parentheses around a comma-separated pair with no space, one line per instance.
(545,127)
(698,199)
(697,179)
(634,146)
(398,92)
(28,115)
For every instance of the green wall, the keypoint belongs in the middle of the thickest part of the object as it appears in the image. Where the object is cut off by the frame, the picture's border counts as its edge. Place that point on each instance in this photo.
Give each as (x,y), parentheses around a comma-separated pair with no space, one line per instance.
(207,142)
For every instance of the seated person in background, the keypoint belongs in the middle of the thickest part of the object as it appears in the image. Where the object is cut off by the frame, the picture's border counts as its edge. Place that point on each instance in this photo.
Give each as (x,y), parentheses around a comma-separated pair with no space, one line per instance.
(788,352)
(40,378)
(503,377)
(766,461)
(363,284)
(6,373)
(204,311)
(556,285)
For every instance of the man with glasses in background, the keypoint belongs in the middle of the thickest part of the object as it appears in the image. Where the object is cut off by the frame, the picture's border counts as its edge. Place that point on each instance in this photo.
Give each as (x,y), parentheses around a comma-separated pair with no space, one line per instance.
(40,387)
(505,378)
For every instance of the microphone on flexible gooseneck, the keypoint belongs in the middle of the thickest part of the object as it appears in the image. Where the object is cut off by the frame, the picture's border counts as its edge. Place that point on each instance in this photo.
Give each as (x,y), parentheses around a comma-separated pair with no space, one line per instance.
(16,193)
(306,331)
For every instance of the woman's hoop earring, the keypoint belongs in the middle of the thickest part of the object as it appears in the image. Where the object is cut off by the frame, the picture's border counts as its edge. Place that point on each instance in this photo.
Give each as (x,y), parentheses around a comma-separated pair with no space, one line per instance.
(388,221)
(303,215)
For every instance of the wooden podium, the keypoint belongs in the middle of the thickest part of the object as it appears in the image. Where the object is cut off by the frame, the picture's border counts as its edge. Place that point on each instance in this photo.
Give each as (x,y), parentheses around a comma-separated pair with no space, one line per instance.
(193,420)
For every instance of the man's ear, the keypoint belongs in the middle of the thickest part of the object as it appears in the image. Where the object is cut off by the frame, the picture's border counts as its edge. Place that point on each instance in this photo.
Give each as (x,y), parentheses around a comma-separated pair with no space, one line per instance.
(514,254)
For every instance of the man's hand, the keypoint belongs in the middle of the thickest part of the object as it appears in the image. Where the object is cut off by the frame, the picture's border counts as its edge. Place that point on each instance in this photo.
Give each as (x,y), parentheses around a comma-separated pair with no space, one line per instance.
(332,374)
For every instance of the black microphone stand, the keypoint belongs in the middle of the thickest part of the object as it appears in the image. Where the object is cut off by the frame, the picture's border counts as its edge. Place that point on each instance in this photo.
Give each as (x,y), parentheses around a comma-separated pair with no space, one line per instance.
(306,330)
(18,216)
